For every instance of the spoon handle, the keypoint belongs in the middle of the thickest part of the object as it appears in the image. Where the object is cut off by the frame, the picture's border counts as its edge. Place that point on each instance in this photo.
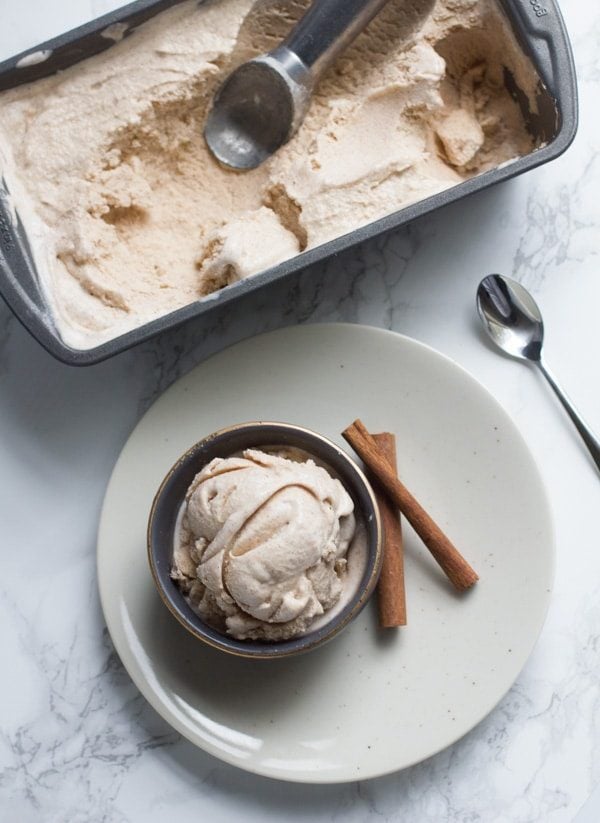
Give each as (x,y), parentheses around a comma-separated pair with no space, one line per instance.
(588,438)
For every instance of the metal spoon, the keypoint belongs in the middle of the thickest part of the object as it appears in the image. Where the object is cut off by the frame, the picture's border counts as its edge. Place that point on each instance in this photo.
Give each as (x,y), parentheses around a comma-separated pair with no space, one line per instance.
(513,320)
(262,103)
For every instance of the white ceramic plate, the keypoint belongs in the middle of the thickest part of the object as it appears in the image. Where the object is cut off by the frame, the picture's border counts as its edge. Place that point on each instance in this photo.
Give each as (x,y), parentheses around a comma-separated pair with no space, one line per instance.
(370,702)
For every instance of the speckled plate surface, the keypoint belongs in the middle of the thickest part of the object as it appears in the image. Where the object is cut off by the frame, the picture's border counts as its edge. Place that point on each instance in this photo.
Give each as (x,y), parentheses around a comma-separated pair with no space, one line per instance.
(370,702)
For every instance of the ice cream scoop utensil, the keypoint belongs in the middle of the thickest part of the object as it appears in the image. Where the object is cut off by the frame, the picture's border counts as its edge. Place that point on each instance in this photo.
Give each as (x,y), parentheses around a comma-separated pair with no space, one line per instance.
(262,103)
(514,322)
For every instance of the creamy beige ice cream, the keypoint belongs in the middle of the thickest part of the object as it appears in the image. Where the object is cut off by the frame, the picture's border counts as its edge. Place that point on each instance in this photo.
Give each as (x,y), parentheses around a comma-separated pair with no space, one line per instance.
(129,215)
(262,545)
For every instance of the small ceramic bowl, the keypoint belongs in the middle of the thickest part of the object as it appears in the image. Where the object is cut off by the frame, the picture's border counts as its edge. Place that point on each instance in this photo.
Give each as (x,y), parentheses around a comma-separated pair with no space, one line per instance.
(171,494)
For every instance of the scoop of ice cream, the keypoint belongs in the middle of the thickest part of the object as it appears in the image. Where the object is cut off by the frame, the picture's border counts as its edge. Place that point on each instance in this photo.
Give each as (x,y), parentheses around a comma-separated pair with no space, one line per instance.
(461,136)
(263,541)
(232,251)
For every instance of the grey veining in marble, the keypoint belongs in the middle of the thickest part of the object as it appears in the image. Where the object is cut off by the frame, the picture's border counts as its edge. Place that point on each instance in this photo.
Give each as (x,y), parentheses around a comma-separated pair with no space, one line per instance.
(77,741)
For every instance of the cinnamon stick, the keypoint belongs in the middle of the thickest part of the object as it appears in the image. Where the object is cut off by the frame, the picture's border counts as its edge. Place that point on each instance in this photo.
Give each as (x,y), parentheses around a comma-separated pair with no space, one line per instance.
(454,565)
(391,594)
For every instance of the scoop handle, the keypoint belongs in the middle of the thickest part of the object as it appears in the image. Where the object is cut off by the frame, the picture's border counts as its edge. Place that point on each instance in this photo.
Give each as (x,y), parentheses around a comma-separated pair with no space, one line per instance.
(327,28)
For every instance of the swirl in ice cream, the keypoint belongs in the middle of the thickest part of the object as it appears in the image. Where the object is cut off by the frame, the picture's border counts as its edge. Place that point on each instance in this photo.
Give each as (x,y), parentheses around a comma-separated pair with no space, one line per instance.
(261,549)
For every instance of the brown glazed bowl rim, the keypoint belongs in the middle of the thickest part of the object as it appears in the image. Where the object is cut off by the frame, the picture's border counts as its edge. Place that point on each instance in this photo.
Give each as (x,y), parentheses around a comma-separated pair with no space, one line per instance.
(222,443)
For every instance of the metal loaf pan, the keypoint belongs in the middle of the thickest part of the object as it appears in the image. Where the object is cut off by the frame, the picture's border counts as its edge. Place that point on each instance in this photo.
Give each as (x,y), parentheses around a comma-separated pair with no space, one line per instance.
(541,31)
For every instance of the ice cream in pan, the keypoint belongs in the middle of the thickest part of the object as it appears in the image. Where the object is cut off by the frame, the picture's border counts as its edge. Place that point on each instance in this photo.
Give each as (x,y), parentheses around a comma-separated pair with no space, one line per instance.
(130,217)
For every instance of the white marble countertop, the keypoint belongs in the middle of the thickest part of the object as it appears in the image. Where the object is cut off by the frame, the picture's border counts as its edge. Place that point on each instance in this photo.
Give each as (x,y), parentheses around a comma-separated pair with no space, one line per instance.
(77,741)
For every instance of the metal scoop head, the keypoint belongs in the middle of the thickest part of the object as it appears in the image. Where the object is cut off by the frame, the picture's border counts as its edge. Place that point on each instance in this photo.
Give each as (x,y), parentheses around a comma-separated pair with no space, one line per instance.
(257,109)
(263,102)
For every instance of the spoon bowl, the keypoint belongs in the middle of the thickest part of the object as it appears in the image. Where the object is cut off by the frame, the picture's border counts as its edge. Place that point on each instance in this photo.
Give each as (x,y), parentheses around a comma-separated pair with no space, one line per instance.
(511,317)
(513,321)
